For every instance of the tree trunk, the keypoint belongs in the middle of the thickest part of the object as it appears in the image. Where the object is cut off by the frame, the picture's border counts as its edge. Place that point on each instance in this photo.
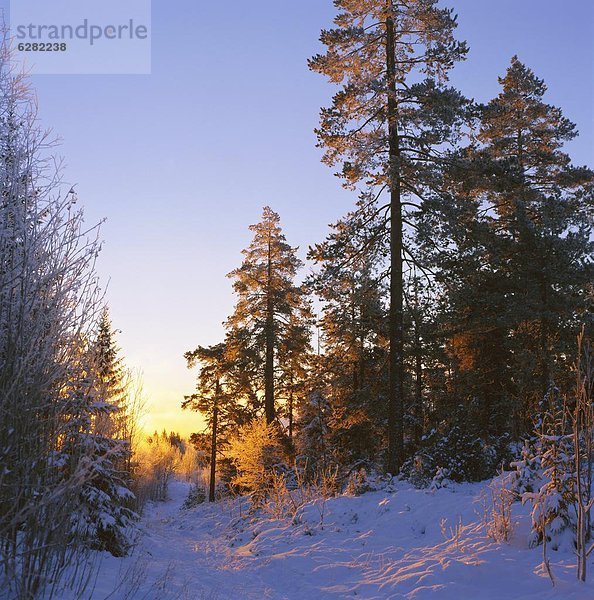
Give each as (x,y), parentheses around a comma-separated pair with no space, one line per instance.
(418,386)
(396,387)
(213,444)
(291,407)
(362,362)
(269,365)
(545,371)
(355,362)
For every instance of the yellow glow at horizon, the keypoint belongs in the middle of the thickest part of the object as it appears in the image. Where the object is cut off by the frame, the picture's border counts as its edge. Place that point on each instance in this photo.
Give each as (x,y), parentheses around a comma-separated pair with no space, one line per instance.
(163,411)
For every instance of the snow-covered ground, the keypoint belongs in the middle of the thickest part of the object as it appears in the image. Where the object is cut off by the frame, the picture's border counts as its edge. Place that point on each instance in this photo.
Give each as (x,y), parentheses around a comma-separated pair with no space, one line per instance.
(404,543)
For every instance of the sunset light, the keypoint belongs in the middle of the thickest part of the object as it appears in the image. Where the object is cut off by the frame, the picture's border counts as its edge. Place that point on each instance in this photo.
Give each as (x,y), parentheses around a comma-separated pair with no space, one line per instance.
(296,300)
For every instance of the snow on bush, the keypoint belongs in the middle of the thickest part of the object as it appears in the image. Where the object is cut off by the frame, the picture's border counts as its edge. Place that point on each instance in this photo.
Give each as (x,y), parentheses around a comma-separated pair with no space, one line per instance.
(196,496)
(460,453)
(553,504)
(527,471)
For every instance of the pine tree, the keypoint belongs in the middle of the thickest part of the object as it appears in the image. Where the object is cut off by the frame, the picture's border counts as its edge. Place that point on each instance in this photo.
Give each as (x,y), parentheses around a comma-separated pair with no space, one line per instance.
(472,318)
(272,312)
(352,326)
(421,350)
(388,126)
(543,218)
(294,364)
(507,239)
(214,400)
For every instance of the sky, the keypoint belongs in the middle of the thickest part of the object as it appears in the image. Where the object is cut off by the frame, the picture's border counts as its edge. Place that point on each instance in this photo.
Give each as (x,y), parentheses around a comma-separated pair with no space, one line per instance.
(181,161)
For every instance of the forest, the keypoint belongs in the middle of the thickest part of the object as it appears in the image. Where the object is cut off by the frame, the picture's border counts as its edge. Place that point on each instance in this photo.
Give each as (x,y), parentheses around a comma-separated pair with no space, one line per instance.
(436,345)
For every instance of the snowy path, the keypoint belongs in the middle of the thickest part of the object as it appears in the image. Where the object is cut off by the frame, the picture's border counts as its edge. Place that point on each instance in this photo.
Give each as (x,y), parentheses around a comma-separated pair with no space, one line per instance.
(180,556)
(408,544)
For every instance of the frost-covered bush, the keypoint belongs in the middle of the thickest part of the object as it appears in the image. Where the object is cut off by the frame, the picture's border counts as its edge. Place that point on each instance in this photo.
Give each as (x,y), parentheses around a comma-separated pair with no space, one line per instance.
(48,303)
(289,491)
(526,475)
(464,455)
(196,496)
(257,453)
(357,483)
(190,463)
(553,503)
(441,479)
(104,517)
(499,523)
(281,501)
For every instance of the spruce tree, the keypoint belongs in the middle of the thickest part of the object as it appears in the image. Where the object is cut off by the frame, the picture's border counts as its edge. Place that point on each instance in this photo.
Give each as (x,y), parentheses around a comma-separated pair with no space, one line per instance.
(109,377)
(105,500)
(388,126)
(110,372)
(272,311)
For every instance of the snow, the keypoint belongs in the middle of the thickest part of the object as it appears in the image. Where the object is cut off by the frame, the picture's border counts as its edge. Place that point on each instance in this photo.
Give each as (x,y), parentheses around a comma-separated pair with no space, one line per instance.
(398,543)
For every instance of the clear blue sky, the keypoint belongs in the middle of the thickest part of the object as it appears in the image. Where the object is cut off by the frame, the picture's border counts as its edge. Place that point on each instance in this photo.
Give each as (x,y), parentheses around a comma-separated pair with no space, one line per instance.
(180,162)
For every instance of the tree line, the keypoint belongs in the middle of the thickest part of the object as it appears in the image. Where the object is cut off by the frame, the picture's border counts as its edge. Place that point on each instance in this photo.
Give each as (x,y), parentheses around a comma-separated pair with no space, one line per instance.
(450,296)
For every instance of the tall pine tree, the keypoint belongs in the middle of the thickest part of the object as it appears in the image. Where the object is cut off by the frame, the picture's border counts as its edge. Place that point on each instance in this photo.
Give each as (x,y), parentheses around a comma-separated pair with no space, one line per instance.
(272,315)
(543,207)
(387,127)
(215,400)
(508,238)
(354,339)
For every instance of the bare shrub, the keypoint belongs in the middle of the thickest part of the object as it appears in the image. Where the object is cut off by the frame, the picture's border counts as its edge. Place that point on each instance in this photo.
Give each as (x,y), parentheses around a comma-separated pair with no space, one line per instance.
(452,534)
(499,524)
(286,494)
(49,301)
(280,502)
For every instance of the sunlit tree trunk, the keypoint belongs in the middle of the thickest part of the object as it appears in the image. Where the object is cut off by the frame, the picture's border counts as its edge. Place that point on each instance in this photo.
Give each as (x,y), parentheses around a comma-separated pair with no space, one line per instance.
(213,445)
(269,363)
(290,407)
